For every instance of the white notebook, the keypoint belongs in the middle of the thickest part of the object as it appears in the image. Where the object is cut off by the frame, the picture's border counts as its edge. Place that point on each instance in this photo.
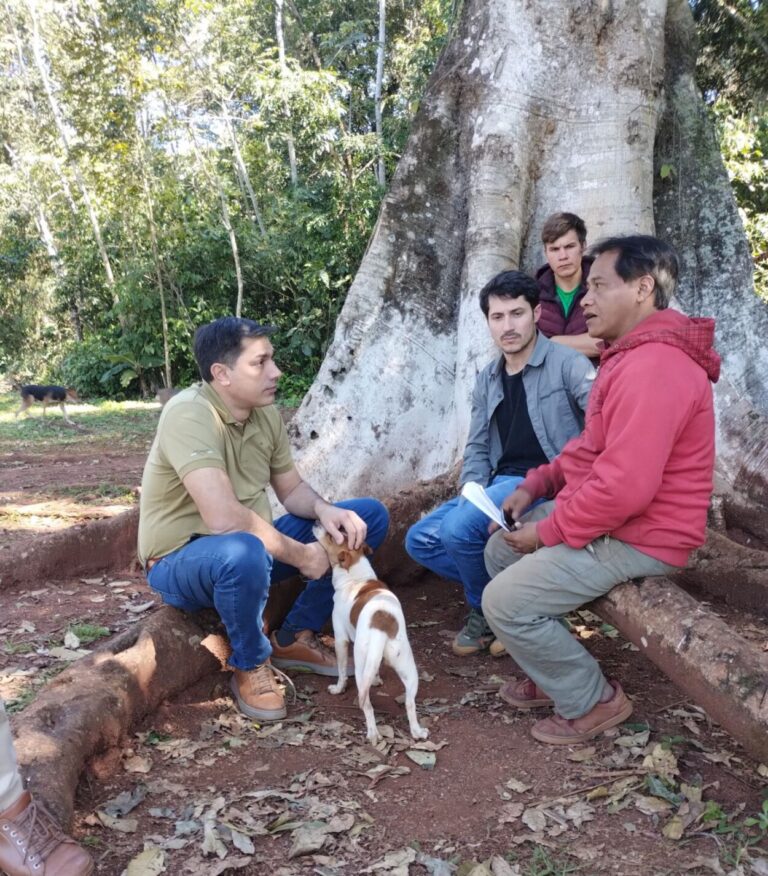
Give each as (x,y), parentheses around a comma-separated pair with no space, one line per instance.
(475,493)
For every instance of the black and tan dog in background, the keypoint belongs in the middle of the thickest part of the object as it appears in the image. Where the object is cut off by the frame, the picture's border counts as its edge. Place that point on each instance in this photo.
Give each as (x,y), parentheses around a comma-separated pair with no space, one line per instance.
(47,395)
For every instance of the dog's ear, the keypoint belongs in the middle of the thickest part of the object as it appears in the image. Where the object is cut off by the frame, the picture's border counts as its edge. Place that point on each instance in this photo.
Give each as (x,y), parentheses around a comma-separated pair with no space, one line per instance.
(367,549)
(345,559)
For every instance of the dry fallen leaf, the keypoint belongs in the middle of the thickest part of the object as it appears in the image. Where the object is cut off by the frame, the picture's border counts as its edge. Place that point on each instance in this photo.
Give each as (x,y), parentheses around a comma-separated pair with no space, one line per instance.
(137,764)
(71,640)
(534,819)
(393,863)
(511,812)
(662,761)
(150,862)
(307,840)
(124,825)
(674,828)
(583,754)
(724,757)
(425,759)
(517,786)
(652,805)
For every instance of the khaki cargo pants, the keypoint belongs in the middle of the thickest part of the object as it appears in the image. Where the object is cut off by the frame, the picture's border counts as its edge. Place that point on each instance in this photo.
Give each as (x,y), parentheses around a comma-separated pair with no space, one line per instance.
(529,592)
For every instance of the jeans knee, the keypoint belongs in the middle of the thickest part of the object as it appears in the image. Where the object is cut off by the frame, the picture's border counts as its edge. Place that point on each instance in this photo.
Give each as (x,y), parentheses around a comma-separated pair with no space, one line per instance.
(245,556)
(454,531)
(375,513)
(414,542)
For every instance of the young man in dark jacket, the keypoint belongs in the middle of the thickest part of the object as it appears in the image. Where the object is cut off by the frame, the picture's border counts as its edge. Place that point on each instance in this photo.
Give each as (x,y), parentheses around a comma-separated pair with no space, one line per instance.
(629,496)
(563,282)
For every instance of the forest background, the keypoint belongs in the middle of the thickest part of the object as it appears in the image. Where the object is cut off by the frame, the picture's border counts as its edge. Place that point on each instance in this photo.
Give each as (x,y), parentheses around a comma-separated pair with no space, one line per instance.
(166,162)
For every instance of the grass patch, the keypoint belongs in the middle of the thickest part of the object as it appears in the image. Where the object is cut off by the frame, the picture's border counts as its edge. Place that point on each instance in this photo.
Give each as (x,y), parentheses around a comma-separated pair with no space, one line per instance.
(22,700)
(120,494)
(121,425)
(543,863)
(88,633)
(18,647)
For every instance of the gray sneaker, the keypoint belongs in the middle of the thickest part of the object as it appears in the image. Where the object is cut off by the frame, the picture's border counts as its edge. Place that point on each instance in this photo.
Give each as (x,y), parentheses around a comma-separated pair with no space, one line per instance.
(475,637)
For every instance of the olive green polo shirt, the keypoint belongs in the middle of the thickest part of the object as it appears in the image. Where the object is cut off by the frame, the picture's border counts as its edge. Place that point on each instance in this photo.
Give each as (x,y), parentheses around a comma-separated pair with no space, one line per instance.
(196,430)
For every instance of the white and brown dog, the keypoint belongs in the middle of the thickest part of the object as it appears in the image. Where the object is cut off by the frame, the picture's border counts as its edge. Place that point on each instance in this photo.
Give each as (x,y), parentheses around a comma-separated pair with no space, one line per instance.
(367,612)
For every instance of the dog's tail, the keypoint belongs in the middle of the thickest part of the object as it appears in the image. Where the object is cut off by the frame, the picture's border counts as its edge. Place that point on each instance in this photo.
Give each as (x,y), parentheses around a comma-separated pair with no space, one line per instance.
(373,657)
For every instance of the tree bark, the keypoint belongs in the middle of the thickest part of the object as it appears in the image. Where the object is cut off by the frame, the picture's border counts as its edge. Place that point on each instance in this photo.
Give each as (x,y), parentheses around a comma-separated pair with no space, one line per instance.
(92,705)
(280,39)
(718,669)
(507,134)
(695,209)
(242,170)
(381,176)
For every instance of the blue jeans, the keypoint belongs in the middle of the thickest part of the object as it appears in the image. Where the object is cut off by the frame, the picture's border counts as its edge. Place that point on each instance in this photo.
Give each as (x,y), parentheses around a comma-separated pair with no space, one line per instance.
(232,573)
(450,541)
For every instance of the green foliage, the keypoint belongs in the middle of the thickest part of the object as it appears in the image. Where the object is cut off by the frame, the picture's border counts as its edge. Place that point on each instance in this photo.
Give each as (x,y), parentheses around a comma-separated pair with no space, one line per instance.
(175,114)
(744,144)
(86,364)
(177,120)
(733,51)
(737,836)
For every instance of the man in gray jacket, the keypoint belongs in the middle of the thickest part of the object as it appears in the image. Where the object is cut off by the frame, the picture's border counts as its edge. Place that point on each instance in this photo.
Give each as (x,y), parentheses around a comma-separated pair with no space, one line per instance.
(525,406)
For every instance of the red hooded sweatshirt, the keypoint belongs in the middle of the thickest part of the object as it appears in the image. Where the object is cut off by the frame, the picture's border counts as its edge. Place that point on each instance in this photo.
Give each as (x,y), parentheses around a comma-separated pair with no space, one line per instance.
(641,471)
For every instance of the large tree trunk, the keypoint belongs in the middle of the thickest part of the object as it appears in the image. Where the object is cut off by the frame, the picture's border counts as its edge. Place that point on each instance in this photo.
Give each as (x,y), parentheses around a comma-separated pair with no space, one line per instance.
(695,209)
(532,108)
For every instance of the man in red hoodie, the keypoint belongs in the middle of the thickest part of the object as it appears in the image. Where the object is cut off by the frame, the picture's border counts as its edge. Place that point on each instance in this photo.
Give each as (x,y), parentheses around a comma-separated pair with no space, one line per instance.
(629,495)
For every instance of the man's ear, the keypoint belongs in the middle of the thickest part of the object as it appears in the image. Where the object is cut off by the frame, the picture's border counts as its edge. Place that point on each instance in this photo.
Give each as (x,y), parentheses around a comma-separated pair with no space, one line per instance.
(219,372)
(536,313)
(646,287)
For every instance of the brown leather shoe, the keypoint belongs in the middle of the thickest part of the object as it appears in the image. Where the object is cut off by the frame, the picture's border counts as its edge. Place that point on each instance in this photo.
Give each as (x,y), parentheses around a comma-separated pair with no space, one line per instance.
(497,649)
(309,653)
(258,693)
(33,844)
(567,731)
(524,694)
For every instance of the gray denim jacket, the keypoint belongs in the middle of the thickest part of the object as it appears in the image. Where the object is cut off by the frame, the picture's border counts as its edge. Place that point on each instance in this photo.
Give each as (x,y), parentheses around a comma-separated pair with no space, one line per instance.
(557,382)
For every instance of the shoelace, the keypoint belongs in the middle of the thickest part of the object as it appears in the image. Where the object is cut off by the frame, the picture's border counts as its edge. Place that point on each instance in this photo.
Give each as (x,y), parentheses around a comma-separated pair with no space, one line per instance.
(36,832)
(265,680)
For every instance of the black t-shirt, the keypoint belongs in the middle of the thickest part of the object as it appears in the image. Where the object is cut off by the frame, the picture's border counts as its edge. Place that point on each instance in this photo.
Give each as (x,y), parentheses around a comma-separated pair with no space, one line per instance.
(521,446)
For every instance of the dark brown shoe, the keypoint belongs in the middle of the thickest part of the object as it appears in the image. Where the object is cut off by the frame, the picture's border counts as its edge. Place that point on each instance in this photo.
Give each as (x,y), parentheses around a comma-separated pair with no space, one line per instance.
(567,731)
(308,653)
(33,844)
(524,694)
(258,694)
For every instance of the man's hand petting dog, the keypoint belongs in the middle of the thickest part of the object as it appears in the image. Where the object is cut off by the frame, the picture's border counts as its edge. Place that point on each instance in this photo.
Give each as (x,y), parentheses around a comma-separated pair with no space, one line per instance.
(315,563)
(342,524)
(366,612)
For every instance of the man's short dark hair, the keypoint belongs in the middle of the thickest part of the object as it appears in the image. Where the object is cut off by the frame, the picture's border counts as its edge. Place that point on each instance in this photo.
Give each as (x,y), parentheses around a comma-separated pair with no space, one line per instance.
(640,254)
(510,284)
(559,224)
(222,339)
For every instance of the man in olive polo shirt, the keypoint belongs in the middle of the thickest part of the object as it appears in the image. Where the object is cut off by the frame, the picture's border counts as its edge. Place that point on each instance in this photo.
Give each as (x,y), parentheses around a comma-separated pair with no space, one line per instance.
(206,534)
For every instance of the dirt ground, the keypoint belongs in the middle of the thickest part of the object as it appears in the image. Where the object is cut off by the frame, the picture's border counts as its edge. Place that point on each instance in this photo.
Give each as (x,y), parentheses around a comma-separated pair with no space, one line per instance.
(199,789)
